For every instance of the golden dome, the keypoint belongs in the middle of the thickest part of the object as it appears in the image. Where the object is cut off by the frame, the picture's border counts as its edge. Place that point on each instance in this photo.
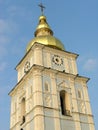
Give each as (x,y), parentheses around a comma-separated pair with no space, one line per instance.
(44,35)
(46,40)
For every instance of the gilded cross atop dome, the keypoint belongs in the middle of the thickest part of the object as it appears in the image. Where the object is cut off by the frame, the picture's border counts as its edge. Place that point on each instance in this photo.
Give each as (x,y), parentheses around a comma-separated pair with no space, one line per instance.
(42,7)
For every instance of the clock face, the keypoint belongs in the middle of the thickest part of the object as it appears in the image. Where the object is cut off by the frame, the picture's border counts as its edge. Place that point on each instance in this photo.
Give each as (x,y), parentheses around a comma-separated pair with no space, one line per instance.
(27,66)
(57,60)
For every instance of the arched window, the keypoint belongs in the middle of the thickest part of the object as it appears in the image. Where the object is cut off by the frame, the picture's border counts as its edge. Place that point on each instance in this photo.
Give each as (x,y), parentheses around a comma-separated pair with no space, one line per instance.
(62,100)
(23,110)
(65,103)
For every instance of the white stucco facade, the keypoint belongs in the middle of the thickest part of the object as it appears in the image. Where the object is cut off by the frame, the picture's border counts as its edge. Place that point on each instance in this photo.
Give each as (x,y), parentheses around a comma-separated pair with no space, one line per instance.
(49,94)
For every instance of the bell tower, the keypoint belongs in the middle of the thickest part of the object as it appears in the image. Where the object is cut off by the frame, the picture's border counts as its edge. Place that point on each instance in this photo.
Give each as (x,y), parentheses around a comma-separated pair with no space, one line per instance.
(49,94)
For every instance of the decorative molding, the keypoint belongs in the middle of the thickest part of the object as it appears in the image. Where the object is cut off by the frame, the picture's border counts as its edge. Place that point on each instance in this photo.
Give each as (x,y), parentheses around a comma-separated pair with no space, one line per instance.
(47,100)
(81,106)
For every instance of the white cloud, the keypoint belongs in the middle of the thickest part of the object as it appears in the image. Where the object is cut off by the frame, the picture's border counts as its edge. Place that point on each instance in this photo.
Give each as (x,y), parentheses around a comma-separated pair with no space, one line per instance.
(3,26)
(16,11)
(1,1)
(90,64)
(4,40)
(3,51)
(3,66)
(13,10)
(7,30)
(19,12)
(7,26)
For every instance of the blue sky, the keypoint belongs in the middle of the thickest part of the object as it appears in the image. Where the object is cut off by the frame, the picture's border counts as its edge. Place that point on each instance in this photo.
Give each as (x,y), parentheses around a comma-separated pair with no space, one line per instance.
(75,23)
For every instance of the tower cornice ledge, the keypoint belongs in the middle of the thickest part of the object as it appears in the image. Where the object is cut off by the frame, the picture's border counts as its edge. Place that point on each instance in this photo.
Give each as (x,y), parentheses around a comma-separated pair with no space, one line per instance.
(42,68)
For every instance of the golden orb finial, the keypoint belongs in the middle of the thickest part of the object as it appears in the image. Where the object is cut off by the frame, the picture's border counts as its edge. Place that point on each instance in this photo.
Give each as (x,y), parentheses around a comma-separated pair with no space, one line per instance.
(43,27)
